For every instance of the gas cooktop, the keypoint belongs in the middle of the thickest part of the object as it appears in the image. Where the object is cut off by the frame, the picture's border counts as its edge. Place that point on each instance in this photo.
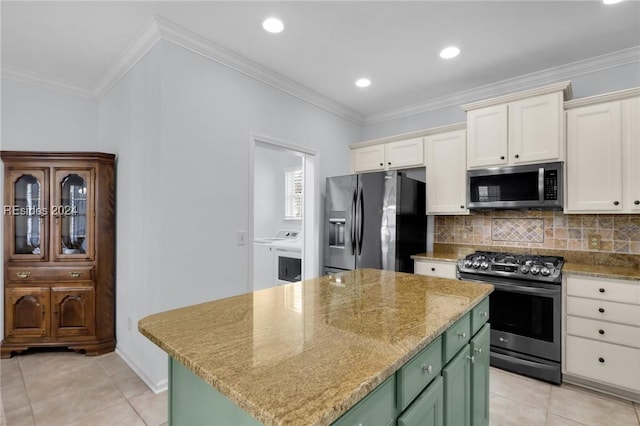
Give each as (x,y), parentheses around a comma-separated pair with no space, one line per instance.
(521,266)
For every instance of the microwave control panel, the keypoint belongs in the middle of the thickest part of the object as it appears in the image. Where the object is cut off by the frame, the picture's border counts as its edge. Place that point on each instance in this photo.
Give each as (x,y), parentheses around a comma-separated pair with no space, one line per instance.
(551,185)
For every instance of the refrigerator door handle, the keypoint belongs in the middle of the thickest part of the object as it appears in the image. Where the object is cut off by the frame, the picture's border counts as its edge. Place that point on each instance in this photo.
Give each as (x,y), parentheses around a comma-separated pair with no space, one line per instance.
(352,231)
(360,221)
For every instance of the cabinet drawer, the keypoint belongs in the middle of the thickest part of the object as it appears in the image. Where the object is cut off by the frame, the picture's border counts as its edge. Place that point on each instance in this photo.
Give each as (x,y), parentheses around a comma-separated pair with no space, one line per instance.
(435,269)
(605,311)
(604,331)
(28,274)
(479,316)
(377,408)
(427,410)
(456,337)
(605,362)
(610,290)
(416,374)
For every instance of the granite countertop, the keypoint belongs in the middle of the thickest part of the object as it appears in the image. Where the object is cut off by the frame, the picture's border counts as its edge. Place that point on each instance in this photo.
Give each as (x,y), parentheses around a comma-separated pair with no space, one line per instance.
(589,264)
(305,353)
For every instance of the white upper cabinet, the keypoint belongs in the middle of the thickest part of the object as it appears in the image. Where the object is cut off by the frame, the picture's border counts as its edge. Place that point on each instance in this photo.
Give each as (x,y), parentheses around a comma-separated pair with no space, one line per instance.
(603,153)
(446,173)
(367,159)
(524,128)
(386,156)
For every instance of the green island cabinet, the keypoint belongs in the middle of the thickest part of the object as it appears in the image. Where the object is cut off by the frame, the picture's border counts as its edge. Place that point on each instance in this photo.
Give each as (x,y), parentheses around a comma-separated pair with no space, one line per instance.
(446,383)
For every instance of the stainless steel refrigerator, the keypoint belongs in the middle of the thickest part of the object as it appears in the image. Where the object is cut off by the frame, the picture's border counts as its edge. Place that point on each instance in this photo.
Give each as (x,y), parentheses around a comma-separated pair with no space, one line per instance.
(373,220)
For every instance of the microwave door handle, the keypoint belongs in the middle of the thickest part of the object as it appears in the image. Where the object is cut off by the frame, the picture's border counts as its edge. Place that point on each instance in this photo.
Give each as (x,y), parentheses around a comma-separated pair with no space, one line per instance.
(541,184)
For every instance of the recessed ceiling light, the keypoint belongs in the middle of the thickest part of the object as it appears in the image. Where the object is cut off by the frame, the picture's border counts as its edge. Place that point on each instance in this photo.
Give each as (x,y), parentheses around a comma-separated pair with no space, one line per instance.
(449,52)
(611,1)
(363,82)
(273,25)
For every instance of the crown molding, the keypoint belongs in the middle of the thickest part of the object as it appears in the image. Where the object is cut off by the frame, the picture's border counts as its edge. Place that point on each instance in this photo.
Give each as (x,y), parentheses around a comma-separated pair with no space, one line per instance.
(516,84)
(27,77)
(183,37)
(564,87)
(411,135)
(142,43)
(606,97)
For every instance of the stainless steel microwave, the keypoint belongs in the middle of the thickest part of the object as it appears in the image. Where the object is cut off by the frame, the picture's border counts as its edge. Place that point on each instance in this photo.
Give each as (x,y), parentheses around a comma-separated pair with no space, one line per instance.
(534,186)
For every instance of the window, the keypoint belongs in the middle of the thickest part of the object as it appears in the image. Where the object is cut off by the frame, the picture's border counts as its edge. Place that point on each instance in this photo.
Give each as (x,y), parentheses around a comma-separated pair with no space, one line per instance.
(293,193)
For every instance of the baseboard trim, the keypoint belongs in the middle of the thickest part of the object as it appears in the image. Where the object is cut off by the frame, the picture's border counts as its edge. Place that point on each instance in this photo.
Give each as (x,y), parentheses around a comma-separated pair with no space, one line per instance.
(156,387)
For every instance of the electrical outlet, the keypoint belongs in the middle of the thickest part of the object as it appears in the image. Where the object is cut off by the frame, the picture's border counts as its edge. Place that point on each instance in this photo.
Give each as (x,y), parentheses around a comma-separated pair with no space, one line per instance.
(594,241)
(129,322)
(242,238)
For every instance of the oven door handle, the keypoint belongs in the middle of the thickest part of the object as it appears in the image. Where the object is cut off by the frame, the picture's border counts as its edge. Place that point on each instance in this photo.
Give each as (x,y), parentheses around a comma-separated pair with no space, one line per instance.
(526,289)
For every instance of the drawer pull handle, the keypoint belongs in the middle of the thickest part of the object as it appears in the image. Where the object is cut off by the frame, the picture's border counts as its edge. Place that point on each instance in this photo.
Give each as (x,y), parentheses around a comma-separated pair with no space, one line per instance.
(601,310)
(601,290)
(23,275)
(427,369)
(75,274)
(462,334)
(601,360)
(601,331)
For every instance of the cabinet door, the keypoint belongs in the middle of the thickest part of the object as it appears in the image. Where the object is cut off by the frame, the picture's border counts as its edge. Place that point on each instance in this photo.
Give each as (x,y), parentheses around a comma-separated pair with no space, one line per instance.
(446,173)
(631,142)
(487,137)
(457,389)
(367,159)
(594,158)
(427,409)
(73,311)
(25,212)
(406,153)
(480,377)
(26,312)
(536,129)
(72,210)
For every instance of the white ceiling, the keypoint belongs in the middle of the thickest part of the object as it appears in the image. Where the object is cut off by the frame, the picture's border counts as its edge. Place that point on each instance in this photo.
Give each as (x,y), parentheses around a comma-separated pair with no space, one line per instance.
(326,46)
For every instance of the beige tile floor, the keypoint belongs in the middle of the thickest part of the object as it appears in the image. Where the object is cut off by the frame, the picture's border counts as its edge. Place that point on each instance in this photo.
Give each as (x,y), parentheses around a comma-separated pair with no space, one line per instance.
(65,388)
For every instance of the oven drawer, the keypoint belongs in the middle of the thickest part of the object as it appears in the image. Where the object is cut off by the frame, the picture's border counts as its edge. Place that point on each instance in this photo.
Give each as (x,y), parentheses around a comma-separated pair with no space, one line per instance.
(605,362)
(604,331)
(606,311)
(435,269)
(610,290)
(456,337)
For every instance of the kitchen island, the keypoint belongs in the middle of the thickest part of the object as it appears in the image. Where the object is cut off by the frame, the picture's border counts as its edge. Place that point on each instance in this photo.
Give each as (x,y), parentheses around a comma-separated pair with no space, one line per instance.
(308,352)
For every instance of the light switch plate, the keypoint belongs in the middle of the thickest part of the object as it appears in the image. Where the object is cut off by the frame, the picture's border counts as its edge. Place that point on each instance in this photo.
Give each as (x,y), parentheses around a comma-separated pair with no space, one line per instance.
(242,238)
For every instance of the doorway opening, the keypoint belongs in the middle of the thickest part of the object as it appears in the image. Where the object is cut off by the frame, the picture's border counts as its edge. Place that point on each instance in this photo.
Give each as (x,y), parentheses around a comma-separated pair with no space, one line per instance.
(283,219)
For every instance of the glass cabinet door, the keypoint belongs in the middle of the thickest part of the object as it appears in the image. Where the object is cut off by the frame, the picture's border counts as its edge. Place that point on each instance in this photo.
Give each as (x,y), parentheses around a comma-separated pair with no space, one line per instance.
(27,214)
(72,212)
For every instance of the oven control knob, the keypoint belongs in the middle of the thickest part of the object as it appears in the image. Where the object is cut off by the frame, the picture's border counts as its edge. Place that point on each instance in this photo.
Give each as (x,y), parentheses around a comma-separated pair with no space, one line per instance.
(475,264)
(524,269)
(545,271)
(484,264)
(535,269)
(468,263)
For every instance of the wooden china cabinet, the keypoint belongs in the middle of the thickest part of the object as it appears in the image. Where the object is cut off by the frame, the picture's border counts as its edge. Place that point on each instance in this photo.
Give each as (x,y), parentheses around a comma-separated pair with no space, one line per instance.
(59,251)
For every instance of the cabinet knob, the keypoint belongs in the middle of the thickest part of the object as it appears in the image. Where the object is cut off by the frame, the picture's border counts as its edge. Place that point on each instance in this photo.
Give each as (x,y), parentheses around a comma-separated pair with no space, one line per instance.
(462,207)
(427,369)
(601,331)
(516,156)
(478,350)
(389,163)
(601,290)
(23,275)
(502,157)
(615,203)
(462,334)
(382,164)
(601,360)
(75,274)
(601,310)
(484,314)
(636,202)
(433,269)
(472,358)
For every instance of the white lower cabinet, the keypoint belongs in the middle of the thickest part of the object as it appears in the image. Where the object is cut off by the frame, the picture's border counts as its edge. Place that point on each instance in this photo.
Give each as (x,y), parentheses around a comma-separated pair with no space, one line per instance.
(602,334)
(434,268)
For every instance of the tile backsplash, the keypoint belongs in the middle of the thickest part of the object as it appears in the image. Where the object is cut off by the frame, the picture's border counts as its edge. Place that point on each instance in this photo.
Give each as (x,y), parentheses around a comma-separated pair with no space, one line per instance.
(537,229)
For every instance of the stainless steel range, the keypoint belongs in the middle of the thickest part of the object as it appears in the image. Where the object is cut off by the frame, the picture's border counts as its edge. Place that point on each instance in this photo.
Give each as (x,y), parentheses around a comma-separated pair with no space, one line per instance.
(525,310)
